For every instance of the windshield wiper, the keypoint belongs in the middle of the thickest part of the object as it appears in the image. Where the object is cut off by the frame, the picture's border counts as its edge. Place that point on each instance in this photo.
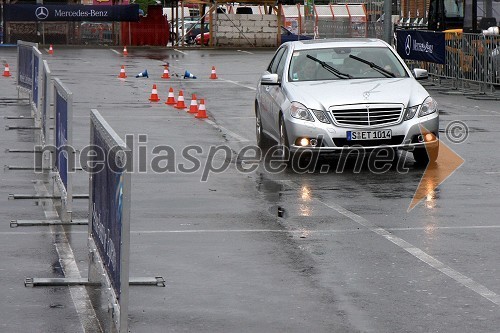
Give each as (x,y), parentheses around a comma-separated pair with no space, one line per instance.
(374,66)
(329,68)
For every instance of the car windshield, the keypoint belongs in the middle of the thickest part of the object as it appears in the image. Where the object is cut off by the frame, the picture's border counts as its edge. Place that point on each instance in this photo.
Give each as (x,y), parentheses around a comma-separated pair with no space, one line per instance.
(344,63)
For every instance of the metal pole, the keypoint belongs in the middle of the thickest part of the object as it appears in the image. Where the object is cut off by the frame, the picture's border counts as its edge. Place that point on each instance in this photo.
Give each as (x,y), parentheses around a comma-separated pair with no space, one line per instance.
(2,24)
(38,25)
(388,21)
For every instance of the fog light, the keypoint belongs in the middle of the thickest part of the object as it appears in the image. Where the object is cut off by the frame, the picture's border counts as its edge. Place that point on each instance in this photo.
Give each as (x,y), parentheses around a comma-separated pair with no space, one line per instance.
(429,137)
(304,142)
(313,142)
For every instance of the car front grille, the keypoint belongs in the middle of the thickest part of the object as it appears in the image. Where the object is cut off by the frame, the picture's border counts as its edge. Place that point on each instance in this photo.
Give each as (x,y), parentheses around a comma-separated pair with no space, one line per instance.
(367,115)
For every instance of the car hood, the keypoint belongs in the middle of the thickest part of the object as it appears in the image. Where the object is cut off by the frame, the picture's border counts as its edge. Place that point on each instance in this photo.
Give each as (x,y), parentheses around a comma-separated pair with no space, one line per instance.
(324,94)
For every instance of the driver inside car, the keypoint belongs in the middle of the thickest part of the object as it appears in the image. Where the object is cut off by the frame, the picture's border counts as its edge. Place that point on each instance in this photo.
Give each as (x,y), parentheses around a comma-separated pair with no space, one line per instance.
(304,69)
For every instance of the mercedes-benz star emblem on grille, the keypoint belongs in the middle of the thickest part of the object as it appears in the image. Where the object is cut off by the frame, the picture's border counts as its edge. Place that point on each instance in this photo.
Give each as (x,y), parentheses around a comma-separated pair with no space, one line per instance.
(408,45)
(42,13)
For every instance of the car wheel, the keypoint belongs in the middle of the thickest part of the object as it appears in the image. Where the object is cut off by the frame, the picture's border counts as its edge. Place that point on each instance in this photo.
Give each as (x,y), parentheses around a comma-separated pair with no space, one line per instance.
(423,156)
(284,146)
(262,139)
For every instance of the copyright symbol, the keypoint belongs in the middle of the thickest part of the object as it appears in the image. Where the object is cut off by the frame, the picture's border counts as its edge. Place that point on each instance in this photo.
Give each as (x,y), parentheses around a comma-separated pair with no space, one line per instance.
(457,131)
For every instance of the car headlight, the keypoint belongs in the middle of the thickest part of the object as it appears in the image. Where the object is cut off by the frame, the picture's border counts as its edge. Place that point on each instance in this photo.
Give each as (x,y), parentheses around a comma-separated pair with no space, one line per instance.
(411,111)
(321,116)
(428,107)
(299,111)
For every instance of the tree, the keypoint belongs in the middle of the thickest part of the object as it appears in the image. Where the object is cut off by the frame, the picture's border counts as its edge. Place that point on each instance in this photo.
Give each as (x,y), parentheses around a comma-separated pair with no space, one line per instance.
(143,4)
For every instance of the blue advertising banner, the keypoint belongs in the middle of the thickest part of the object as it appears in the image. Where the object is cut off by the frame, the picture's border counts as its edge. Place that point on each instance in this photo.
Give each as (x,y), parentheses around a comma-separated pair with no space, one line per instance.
(25,70)
(421,45)
(61,136)
(46,13)
(107,203)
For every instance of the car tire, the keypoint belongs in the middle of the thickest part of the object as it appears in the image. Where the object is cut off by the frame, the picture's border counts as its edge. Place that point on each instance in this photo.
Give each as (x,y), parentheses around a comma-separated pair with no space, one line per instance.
(423,157)
(263,140)
(284,146)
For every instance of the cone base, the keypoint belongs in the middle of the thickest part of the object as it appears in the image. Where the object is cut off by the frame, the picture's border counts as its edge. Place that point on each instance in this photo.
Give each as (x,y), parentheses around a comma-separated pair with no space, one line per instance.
(201,116)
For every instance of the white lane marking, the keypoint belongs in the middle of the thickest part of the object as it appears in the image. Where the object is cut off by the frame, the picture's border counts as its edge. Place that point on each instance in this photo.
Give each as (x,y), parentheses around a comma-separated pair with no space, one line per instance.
(492,172)
(243,51)
(477,108)
(226,131)
(176,50)
(416,252)
(81,300)
(115,51)
(319,231)
(419,254)
(468,115)
(238,84)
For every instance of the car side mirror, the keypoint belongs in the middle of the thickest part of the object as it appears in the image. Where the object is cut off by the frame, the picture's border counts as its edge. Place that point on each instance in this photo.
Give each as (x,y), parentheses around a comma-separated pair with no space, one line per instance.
(420,74)
(269,80)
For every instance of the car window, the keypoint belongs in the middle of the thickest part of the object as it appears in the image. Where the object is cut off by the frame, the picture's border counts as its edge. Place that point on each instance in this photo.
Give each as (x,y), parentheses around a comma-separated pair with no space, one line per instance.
(303,68)
(281,65)
(273,66)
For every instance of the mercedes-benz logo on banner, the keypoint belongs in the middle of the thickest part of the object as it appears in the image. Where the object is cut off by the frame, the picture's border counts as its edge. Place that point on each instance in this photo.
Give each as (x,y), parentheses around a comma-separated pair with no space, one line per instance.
(42,13)
(408,45)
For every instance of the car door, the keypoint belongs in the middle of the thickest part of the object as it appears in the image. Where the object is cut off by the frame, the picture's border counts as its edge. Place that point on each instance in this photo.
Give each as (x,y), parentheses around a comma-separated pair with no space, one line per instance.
(266,91)
(277,95)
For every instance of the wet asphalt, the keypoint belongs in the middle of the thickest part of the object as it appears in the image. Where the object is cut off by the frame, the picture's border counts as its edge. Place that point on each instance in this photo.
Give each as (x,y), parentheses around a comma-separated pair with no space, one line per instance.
(254,251)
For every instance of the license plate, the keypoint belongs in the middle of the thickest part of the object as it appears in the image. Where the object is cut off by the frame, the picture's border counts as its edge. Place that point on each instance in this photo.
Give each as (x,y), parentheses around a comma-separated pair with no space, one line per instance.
(368,135)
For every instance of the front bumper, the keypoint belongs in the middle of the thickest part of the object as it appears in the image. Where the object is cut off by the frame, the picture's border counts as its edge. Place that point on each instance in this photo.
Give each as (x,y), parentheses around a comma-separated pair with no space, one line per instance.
(332,138)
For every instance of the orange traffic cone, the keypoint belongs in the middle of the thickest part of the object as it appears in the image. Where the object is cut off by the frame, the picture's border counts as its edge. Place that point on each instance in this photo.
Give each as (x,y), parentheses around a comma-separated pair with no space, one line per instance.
(125,52)
(51,50)
(193,108)
(165,75)
(6,71)
(154,95)
(180,101)
(122,75)
(202,112)
(213,76)
(170,98)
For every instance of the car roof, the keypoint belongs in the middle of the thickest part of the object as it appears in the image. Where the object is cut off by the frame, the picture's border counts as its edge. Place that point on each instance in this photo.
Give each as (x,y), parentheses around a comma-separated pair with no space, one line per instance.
(336,42)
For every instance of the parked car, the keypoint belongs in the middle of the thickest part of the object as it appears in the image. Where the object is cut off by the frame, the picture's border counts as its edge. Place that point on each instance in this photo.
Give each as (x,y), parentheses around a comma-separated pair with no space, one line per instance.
(286,36)
(180,29)
(194,31)
(329,96)
(206,38)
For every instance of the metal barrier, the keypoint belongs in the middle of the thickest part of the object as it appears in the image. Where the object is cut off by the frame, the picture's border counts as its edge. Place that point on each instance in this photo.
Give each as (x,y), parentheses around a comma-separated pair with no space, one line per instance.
(471,59)
(346,29)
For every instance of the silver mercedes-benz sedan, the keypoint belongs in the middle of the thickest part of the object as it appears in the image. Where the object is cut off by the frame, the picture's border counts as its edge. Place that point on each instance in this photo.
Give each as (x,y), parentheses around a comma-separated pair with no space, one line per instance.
(334,95)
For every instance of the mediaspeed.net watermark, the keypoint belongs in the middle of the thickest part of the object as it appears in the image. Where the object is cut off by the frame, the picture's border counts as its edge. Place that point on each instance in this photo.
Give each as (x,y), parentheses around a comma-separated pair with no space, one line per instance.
(205,161)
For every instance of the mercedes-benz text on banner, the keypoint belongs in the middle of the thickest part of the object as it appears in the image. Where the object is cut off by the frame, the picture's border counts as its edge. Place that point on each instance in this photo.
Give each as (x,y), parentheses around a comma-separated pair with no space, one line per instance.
(421,45)
(46,13)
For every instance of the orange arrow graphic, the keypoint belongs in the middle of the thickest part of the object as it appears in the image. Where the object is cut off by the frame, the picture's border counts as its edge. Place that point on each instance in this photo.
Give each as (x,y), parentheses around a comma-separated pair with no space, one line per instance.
(436,173)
